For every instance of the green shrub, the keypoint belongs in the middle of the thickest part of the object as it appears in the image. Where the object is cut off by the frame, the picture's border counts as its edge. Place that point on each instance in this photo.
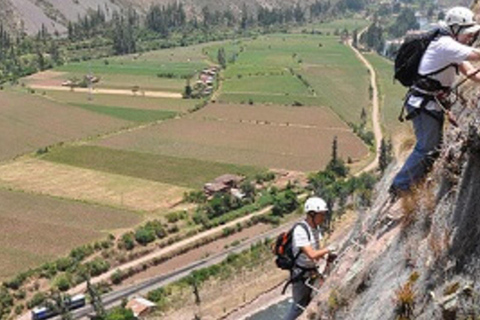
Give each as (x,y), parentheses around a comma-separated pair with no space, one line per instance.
(97,266)
(117,277)
(144,235)
(62,282)
(127,241)
(63,264)
(36,300)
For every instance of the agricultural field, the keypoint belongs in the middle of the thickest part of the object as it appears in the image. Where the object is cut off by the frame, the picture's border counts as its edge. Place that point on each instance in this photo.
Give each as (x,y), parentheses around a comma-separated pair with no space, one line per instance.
(162,70)
(37,229)
(178,171)
(92,186)
(29,122)
(391,96)
(338,25)
(131,102)
(292,69)
(259,143)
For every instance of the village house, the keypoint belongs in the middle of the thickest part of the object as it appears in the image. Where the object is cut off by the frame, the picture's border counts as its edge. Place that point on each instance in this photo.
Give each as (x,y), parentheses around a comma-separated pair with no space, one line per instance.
(140,307)
(224,183)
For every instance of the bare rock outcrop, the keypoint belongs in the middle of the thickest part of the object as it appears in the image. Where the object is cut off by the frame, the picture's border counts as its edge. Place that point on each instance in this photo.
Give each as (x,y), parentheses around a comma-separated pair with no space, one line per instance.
(419,258)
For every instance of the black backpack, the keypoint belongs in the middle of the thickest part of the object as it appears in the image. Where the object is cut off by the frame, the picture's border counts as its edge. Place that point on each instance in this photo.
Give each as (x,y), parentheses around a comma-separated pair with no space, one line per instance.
(410,55)
(285,259)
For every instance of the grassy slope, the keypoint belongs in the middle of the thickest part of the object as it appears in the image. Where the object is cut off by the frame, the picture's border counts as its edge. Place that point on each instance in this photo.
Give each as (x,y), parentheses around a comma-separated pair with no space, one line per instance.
(189,173)
(129,114)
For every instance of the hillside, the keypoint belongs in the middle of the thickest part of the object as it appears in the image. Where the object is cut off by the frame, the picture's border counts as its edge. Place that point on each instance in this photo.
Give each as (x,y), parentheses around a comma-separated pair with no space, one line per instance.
(29,15)
(416,259)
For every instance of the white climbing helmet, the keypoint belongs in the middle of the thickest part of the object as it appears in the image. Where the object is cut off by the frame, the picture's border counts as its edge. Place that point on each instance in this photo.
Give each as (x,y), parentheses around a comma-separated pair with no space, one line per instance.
(461,20)
(315,204)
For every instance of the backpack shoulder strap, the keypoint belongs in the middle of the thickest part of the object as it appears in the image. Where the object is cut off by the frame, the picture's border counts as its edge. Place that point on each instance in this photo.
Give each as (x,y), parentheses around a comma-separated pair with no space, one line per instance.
(305,227)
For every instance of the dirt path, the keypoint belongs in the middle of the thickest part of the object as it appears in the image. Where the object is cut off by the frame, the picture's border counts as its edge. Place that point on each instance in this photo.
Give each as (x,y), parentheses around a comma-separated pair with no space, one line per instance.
(377,131)
(153,94)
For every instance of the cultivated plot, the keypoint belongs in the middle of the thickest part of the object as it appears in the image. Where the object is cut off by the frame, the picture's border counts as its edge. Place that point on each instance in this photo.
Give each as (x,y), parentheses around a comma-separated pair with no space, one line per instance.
(257,143)
(44,177)
(293,69)
(38,229)
(187,173)
(133,102)
(29,122)
(318,117)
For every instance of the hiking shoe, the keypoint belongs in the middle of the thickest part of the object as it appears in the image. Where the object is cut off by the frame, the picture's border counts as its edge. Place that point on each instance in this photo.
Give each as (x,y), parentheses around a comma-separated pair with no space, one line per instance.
(394,193)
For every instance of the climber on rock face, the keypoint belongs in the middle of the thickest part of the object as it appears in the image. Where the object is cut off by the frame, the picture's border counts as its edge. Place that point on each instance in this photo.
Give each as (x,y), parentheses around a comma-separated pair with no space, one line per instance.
(448,53)
(306,245)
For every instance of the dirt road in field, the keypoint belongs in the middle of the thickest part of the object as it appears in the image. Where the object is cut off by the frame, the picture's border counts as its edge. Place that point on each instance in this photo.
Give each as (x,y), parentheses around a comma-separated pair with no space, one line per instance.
(152,94)
(377,130)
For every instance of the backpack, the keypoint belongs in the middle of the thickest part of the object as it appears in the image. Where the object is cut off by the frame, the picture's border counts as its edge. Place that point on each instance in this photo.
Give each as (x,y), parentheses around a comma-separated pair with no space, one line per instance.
(283,249)
(410,55)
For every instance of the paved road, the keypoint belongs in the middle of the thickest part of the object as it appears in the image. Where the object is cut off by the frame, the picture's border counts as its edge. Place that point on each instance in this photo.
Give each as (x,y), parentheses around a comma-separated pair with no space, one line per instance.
(114,298)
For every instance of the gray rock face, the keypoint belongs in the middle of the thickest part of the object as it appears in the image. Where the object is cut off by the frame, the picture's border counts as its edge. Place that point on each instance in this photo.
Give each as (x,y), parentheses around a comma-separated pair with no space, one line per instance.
(420,258)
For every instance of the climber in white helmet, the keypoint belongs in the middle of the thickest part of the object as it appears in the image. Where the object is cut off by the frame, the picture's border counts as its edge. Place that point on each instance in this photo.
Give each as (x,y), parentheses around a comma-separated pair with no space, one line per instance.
(449,53)
(306,243)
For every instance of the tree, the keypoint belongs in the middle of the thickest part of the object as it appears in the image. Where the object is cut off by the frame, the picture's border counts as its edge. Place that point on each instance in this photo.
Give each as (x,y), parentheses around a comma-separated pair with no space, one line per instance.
(96,300)
(385,155)
(363,117)
(405,21)
(188,90)
(245,19)
(337,165)
(355,38)
(221,58)
(334,149)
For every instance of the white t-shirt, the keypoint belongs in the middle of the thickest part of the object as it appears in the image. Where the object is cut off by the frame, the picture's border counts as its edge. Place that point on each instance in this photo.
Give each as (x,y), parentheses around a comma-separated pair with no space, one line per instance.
(440,53)
(300,239)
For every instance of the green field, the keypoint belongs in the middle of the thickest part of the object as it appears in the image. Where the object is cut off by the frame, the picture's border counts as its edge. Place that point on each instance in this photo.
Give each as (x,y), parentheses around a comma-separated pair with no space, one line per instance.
(272,85)
(122,101)
(190,173)
(391,94)
(136,115)
(162,70)
(340,25)
(284,68)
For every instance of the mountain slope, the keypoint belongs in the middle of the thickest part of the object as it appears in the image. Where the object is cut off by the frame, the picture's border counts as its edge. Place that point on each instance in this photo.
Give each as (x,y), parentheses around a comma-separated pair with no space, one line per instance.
(29,15)
(419,258)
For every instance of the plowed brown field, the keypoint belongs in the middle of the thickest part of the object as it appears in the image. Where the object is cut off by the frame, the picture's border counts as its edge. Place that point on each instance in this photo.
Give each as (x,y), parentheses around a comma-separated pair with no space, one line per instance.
(36,229)
(65,181)
(29,122)
(267,142)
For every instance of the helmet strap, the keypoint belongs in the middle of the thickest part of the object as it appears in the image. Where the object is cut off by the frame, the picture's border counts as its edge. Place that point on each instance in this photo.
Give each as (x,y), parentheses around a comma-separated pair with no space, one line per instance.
(455,29)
